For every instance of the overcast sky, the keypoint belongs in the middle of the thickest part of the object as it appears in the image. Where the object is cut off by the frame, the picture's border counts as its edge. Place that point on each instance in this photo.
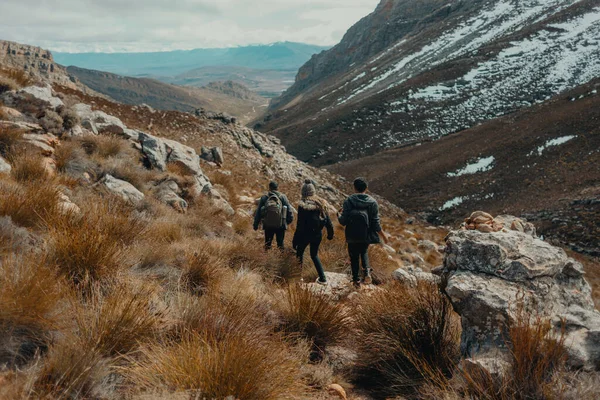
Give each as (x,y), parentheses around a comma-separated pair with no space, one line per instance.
(150,25)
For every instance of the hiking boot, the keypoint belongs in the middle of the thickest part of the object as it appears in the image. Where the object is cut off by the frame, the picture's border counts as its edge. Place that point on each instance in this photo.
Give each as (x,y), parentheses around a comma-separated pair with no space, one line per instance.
(356,284)
(322,283)
(368,279)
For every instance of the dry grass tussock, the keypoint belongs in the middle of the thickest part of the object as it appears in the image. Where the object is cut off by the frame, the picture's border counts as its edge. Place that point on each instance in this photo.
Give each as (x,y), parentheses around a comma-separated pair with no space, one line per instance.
(31,297)
(12,79)
(114,323)
(9,140)
(27,167)
(69,371)
(103,146)
(215,369)
(30,204)
(311,316)
(92,246)
(406,336)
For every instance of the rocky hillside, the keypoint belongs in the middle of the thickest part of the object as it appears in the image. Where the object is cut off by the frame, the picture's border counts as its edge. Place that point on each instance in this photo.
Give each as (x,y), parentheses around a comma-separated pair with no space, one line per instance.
(540,163)
(236,100)
(410,73)
(129,269)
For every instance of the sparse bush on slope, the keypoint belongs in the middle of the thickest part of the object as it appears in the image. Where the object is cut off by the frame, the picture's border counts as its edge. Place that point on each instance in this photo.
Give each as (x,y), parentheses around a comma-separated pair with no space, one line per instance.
(405,337)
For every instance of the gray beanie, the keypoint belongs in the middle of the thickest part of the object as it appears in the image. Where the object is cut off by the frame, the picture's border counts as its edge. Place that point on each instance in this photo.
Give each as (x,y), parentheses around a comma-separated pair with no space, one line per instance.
(308,189)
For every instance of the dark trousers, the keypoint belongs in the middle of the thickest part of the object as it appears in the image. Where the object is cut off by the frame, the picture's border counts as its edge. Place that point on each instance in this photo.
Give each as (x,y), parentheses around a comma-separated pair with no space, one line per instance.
(314,255)
(359,252)
(270,234)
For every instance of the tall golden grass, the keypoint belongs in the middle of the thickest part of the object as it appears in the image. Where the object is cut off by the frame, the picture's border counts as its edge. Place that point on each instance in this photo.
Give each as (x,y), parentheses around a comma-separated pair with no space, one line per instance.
(406,336)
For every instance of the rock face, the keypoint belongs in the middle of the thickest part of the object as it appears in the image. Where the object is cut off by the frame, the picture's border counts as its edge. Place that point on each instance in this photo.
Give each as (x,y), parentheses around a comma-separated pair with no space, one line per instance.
(124,190)
(490,275)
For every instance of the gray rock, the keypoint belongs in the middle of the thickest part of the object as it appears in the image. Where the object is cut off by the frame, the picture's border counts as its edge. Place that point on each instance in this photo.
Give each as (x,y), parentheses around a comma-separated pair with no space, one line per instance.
(42,94)
(168,193)
(5,167)
(124,190)
(492,274)
(101,122)
(498,253)
(412,275)
(218,155)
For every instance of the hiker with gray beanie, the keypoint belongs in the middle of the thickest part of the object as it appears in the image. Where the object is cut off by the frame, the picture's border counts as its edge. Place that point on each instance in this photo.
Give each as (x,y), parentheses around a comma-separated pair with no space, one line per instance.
(275,214)
(312,218)
(360,216)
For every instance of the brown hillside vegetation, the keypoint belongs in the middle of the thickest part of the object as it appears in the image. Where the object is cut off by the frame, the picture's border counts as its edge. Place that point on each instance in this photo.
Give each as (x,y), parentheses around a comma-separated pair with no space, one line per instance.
(121,277)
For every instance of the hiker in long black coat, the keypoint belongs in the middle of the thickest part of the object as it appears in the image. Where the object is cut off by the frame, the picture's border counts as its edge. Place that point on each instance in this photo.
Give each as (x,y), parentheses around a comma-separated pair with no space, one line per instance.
(312,218)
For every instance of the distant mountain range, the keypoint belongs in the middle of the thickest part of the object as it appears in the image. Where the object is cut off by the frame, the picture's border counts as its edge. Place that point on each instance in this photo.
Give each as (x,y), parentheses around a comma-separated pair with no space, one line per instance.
(229,97)
(258,61)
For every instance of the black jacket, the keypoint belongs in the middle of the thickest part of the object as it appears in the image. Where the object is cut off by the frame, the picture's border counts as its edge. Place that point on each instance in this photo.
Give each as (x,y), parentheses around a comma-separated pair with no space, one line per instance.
(284,201)
(308,211)
(361,201)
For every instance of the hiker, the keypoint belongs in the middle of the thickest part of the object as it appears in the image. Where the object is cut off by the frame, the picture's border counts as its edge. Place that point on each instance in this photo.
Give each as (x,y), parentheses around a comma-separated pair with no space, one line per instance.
(275,213)
(360,216)
(312,218)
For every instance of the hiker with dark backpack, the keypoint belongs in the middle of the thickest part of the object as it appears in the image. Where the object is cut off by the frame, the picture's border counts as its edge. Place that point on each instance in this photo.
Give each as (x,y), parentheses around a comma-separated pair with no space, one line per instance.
(312,218)
(360,216)
(275,213)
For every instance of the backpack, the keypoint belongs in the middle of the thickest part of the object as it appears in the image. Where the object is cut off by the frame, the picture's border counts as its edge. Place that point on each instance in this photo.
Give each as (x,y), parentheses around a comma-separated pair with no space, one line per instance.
(357,229)
(273,212)
(315,222)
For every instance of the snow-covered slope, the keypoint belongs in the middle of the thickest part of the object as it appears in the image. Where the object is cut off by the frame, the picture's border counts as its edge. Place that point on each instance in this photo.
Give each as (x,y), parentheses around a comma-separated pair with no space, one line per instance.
(466,62)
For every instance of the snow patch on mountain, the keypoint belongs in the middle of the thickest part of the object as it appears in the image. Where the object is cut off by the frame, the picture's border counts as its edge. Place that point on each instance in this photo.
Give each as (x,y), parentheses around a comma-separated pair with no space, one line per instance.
(480,165)
(553,142)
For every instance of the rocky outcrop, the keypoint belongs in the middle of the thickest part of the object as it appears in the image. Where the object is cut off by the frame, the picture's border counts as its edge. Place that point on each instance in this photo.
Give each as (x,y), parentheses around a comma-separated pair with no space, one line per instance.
(40,96)
(122,189)
(35,61)
(168,192)
(492,275)
(100,122)
(213,154)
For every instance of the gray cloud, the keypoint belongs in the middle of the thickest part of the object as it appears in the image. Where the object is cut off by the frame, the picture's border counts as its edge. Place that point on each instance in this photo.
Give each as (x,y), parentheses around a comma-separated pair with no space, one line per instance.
(150,25)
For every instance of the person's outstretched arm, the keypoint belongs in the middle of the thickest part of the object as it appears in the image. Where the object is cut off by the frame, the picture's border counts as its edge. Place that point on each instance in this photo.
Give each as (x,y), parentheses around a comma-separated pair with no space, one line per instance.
(329,226)
(289,218)
(375,219)
(257,214)
(343,217)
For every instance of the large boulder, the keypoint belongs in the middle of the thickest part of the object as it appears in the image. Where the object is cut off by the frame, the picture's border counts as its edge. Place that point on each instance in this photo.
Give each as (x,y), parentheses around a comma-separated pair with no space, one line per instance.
(39,94)
(122,189)
(490,276)
(100,122)
(161,151)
